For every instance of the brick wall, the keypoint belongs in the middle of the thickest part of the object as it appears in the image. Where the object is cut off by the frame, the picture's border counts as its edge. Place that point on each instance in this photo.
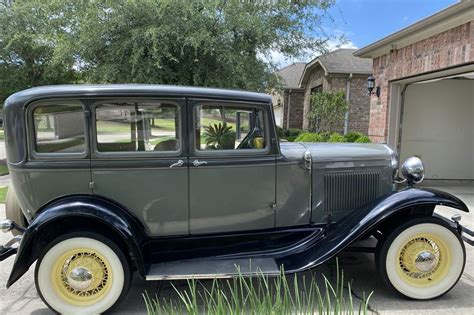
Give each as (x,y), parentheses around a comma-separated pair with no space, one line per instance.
(450,48)
(359,101)
(296,100)
(359,109)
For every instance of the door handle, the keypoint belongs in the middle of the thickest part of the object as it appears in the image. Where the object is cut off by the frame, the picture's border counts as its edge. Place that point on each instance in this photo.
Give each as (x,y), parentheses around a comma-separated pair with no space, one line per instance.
(177,164)
(199,163)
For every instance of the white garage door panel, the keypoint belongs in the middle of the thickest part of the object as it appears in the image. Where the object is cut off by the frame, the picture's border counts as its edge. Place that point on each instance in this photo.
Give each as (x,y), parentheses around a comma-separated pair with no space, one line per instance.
(438,126)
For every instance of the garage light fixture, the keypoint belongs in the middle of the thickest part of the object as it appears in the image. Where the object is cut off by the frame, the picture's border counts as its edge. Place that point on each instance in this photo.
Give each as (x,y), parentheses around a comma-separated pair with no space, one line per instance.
(371,86)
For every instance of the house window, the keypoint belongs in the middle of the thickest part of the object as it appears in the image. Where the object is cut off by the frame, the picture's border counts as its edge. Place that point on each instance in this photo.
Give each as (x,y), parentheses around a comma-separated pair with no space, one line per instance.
(229,128)
(316,89)
(137,127)
(59,128)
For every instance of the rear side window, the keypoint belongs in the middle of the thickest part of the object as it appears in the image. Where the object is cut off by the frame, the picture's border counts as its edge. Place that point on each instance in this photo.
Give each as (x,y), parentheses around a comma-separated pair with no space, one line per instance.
(145,126)
(59,128)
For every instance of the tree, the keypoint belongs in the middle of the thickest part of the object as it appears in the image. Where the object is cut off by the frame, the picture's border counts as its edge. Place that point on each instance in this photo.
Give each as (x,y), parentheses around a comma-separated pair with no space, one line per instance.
(200,43)
(197,43)
(31,46)
(327,111)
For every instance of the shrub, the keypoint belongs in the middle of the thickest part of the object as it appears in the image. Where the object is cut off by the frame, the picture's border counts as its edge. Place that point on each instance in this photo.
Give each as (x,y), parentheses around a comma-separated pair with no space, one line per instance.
(309,137)
(325,135)
(280,132)
(363,139)
(353,136)
(292,133)
(327,111)
(335,137)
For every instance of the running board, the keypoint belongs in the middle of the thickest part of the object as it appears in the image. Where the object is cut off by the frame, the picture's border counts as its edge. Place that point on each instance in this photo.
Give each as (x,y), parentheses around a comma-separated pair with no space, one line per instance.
(209,269)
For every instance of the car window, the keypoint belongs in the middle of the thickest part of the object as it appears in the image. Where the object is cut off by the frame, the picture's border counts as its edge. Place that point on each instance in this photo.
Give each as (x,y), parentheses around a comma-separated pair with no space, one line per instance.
(59,128)
(229,128)
(145,126)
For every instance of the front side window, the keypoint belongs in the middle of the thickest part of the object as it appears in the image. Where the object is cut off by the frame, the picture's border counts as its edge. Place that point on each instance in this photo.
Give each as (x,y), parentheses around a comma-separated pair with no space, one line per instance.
(59,128)
(229,128)
(145,126)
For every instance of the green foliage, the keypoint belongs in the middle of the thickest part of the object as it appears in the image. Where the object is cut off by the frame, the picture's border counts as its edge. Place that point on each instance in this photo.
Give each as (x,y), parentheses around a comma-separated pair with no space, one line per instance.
(309,137)
(353,136)
(199,43)
(219,136)
(3,194)
(288,134)
(335,137)
(33,42)
(261,295)
(4,169)
(292,133)
(327,111)
(332,137)
(363,139)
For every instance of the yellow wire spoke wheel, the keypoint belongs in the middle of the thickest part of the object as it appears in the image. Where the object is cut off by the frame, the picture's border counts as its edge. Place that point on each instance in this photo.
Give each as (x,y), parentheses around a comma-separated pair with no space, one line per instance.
(424,258)
(81,275)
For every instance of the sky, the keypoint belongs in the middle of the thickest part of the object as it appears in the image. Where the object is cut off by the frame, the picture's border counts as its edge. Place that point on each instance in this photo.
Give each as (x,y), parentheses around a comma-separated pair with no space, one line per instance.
(366,21)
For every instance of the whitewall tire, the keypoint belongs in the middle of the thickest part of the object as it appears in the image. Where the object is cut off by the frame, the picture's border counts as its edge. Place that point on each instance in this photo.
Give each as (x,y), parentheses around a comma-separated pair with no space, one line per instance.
(82,274)
(422,259)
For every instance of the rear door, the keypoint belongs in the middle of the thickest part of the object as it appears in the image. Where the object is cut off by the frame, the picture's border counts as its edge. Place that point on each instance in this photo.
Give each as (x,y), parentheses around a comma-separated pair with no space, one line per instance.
(231,167)
(139,160)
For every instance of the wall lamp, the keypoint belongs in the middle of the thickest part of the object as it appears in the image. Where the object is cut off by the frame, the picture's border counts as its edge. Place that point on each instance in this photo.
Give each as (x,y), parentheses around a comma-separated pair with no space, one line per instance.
(371,86)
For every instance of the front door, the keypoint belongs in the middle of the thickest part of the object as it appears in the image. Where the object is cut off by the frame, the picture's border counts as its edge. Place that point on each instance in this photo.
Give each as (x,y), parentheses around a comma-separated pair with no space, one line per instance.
(231,167)
(139,160)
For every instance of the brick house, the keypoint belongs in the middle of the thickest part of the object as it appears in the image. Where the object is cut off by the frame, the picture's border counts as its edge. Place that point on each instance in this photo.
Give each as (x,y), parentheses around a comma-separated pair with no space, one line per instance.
(336,70)
(290,100)
(425,73)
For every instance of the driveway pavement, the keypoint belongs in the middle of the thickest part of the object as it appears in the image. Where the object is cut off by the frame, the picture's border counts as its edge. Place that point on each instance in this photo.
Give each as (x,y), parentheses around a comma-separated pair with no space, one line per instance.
(358,268)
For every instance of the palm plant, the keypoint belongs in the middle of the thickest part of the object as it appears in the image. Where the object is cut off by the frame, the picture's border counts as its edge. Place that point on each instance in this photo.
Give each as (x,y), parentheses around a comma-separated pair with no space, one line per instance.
(219,136)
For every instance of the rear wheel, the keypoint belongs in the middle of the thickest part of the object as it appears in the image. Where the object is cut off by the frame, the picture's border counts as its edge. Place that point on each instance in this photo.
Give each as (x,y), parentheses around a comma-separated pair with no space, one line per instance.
(422,259)
(82,274)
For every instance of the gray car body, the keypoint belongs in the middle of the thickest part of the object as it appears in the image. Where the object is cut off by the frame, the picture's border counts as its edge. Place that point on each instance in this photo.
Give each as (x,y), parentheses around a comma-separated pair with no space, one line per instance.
(234,192)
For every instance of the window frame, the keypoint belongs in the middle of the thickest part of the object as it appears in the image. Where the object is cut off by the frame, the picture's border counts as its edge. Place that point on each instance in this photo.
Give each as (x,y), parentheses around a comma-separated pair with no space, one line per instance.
(133,154)
(31,134)
(229,153)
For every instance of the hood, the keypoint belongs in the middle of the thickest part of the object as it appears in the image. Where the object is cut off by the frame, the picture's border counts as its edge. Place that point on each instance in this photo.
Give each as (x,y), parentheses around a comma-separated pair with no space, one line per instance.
(348,152)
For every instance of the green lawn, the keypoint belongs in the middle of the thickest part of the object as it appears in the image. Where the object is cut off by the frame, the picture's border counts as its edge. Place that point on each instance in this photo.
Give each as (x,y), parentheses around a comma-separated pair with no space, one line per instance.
(3,170)
(3,194)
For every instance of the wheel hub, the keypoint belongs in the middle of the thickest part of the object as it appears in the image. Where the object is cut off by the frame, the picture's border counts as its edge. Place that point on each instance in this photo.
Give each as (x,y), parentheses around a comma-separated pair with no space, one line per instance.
(80,278)
(426,261)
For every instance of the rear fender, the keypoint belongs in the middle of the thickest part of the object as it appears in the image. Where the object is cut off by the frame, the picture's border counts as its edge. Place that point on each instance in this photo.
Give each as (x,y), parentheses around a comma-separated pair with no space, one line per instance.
(84,208)
(367,219)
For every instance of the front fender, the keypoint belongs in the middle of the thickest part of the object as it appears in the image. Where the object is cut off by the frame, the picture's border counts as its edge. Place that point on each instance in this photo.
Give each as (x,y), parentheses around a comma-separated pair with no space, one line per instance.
(93,208)
(344,233)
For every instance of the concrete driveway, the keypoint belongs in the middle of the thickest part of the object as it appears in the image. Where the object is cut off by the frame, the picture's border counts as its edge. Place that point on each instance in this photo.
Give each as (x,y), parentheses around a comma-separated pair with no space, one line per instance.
(358,268)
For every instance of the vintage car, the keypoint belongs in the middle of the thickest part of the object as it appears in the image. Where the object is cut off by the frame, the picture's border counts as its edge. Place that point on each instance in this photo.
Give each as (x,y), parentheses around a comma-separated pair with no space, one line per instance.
(183,182)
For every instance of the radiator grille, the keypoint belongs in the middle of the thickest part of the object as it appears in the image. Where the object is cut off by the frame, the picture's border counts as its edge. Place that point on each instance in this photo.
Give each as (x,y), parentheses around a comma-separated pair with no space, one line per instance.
(344,192)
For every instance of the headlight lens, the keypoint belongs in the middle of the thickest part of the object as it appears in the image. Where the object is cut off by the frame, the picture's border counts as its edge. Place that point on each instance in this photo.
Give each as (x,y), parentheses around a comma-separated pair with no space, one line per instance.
(413,170)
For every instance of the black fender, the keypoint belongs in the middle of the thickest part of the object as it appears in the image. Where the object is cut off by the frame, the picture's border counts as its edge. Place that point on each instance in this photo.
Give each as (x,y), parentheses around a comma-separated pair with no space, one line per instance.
(95,210)
(362,221)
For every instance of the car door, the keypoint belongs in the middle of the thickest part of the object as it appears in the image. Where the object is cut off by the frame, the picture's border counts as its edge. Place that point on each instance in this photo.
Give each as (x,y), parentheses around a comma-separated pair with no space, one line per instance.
(139,160)
(231,167)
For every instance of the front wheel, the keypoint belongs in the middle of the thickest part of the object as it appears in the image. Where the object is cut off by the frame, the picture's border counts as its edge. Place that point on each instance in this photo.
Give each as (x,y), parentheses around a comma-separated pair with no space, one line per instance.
(422,259)
(82,274)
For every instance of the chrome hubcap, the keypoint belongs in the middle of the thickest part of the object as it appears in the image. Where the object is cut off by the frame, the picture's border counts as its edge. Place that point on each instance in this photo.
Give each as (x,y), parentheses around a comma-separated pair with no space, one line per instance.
(79,278)
(425,261)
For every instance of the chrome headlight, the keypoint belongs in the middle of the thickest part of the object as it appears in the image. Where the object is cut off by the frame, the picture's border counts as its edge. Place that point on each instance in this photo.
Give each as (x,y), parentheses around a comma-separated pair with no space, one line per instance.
(413,170)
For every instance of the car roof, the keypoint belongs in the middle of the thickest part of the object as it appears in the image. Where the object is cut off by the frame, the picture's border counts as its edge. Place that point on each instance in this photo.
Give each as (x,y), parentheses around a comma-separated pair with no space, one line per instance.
(91,90)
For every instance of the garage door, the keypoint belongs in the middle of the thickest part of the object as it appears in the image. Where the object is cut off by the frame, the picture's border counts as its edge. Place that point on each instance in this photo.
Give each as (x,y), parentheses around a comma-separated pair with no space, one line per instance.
(438,126)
